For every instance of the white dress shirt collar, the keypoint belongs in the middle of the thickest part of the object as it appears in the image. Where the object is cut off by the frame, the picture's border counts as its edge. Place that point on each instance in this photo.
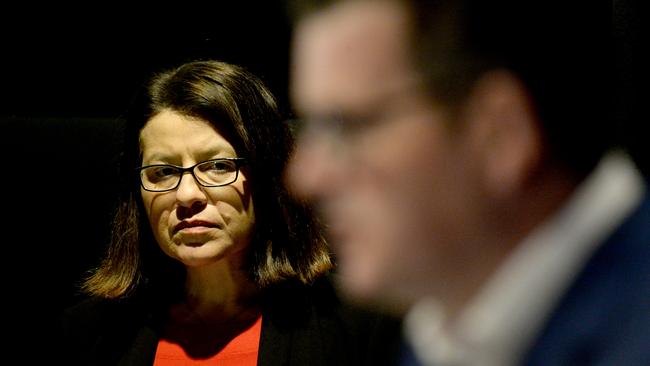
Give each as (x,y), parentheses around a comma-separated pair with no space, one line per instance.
(504,317)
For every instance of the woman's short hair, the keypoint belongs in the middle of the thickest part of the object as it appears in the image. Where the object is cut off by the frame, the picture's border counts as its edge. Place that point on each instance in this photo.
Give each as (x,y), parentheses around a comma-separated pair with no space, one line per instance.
(288,243)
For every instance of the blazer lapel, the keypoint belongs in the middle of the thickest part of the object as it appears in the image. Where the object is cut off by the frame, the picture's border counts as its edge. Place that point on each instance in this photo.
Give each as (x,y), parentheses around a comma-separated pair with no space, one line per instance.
(142,350)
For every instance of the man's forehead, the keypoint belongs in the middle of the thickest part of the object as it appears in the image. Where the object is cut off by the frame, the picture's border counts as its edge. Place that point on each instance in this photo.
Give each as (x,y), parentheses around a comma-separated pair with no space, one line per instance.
(358,29)
(358,45)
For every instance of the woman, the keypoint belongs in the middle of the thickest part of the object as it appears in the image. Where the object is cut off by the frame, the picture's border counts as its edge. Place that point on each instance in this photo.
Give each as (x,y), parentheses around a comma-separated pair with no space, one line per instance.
(210,260)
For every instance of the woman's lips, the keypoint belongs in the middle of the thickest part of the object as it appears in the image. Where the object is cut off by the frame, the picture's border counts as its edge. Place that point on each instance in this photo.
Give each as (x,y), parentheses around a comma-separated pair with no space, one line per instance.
(194,226)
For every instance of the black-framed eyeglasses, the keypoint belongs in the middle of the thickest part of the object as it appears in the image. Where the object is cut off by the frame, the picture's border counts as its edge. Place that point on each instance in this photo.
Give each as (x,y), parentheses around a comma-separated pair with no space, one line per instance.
(209,173)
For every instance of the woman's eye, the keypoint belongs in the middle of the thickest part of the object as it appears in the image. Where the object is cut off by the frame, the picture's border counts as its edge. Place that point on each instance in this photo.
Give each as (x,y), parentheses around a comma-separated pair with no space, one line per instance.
(158,173)
(217,166)
(166,171)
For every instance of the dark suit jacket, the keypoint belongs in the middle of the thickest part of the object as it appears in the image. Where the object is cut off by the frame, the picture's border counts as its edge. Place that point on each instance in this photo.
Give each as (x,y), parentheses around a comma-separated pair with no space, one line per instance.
(604,319)
(300,326)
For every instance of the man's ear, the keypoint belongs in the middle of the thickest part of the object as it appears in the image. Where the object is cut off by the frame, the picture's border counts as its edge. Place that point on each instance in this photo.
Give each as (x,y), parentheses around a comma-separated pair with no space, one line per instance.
(504,132)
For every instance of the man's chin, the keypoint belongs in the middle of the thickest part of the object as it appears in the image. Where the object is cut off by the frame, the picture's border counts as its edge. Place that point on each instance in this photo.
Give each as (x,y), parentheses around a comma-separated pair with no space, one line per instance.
(368,291)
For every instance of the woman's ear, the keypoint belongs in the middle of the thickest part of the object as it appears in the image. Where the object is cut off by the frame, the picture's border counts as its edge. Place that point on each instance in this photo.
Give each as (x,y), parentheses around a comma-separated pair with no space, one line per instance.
(504,132)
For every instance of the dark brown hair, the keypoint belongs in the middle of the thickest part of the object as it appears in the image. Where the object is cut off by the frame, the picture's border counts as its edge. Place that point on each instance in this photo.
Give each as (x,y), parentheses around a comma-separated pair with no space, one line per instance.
(560,50)
(287,243)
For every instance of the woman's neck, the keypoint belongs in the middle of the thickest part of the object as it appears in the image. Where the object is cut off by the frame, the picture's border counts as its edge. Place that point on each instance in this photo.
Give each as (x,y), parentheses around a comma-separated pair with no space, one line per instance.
(219,292)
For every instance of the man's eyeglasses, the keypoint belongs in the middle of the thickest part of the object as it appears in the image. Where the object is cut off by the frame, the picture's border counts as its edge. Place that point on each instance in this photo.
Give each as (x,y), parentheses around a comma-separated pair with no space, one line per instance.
(348,126)
(209,173)
(336,127)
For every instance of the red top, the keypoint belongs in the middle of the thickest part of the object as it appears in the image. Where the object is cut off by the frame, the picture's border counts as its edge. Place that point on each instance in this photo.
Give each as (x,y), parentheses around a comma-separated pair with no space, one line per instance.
(241,351)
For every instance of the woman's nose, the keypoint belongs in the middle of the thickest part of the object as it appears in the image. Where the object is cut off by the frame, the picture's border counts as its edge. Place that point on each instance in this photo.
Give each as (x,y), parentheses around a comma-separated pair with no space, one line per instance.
(189,191)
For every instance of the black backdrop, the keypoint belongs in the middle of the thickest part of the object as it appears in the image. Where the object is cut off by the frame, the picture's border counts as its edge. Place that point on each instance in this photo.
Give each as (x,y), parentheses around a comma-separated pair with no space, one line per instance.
(71,61)
(68,74)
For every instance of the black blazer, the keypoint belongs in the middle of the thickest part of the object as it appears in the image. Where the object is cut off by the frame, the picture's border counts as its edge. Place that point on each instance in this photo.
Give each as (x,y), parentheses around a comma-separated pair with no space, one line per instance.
(604,317)
(300,326)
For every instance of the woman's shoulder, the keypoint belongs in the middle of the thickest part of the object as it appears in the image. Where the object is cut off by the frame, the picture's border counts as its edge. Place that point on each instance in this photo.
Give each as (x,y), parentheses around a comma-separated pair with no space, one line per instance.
(96,317)
(318,313)
(97,328)
(376,332)
(94,311)
(87,306)
(321,297)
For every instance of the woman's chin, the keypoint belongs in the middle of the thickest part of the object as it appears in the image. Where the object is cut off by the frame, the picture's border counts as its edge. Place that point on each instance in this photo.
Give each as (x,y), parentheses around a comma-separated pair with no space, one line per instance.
(199,253)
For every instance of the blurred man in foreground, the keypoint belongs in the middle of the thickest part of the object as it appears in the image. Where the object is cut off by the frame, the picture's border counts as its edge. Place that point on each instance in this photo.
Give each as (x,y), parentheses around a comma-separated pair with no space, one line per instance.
(463,155)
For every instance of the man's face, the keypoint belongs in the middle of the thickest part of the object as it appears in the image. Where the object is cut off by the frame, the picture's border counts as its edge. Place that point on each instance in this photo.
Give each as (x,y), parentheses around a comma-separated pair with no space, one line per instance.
(376,155)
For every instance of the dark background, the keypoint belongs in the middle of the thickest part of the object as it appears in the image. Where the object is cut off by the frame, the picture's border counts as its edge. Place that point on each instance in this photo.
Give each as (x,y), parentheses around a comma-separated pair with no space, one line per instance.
(85,62)
(68,75)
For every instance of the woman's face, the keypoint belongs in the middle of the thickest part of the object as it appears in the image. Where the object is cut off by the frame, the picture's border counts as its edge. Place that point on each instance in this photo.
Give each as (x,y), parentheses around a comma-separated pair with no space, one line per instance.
(194,224)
